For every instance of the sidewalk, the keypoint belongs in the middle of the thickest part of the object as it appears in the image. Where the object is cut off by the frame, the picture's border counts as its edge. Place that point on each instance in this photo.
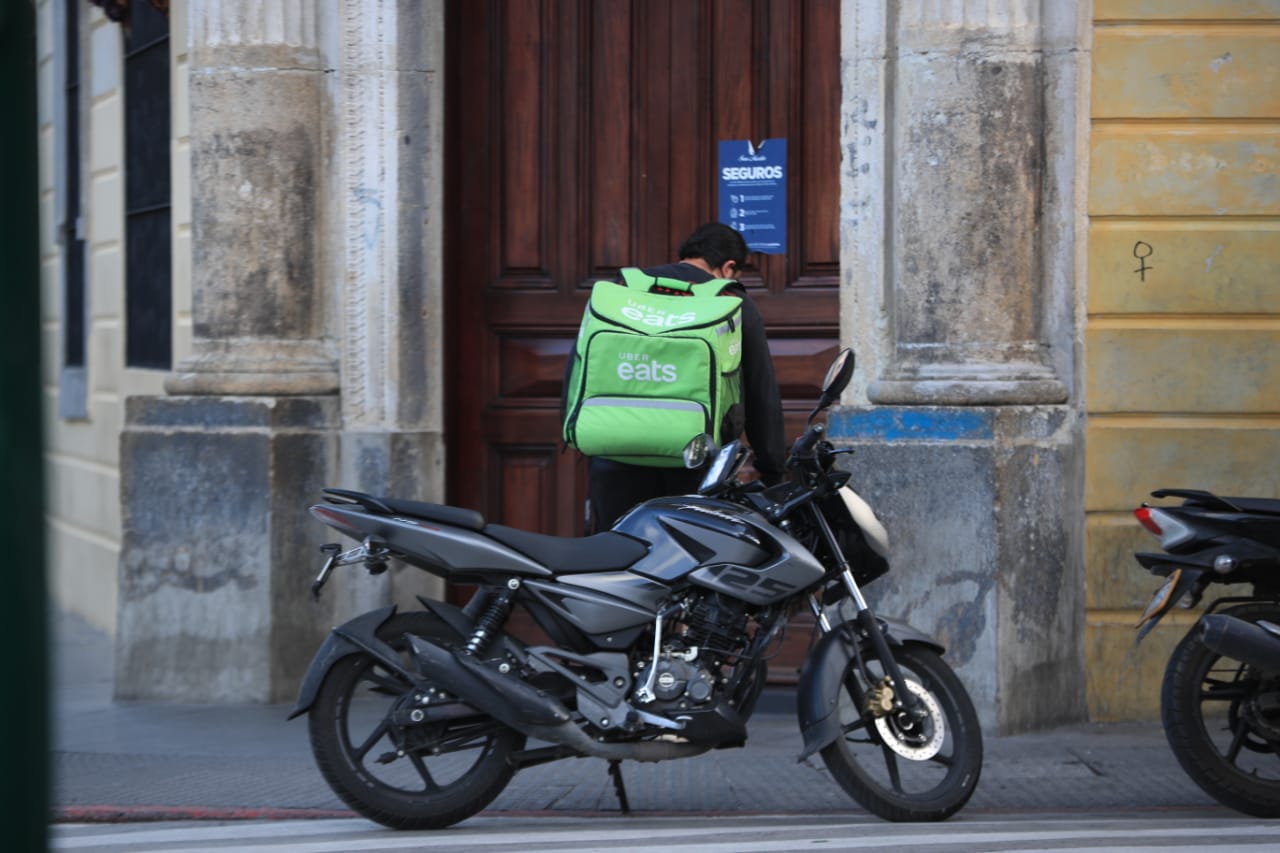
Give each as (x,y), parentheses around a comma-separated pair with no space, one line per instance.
(116,761)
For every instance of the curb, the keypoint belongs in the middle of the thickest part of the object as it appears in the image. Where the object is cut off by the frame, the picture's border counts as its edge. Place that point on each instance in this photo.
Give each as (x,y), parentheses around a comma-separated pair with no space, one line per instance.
(153,814)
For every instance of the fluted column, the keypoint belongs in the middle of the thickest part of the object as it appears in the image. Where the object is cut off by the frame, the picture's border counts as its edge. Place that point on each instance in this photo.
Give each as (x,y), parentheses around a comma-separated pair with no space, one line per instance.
(257,85)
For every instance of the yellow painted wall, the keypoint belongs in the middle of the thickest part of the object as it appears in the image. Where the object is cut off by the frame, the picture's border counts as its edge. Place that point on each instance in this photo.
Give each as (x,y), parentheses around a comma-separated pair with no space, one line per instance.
(1182,342)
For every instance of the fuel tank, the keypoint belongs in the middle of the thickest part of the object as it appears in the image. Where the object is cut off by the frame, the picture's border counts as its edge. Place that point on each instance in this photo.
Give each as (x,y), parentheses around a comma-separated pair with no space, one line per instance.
(721,546)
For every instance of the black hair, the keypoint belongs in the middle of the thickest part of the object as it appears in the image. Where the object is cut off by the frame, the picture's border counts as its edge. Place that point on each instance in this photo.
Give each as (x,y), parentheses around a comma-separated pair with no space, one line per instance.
(716,243)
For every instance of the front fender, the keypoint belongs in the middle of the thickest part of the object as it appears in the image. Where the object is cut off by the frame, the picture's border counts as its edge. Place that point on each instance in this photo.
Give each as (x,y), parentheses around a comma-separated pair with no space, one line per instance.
(356,635)
(818,693)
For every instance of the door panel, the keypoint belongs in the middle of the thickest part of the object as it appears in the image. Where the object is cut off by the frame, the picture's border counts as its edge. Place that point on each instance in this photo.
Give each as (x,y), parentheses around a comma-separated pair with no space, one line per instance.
(581,136)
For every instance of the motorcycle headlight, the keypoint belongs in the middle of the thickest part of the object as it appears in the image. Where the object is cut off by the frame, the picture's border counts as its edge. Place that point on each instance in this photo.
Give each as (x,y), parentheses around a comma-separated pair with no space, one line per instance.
(865,559)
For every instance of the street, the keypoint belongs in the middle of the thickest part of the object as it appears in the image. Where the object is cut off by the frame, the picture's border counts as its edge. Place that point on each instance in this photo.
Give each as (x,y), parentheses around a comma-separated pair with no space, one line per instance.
(1129,831)
(153,777)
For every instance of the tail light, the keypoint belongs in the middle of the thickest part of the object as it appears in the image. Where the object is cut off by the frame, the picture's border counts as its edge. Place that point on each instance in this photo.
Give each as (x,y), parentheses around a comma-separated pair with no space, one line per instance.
(1171,530)
(336,520)
(1144,517)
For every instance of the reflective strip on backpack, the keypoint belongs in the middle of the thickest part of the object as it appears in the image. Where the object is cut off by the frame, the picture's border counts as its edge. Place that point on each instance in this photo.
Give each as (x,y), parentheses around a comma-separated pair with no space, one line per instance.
(642,403)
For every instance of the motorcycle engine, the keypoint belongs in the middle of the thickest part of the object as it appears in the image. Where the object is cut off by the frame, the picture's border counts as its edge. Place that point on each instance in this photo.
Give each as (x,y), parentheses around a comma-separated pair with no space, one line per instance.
(678,679)
(687,668)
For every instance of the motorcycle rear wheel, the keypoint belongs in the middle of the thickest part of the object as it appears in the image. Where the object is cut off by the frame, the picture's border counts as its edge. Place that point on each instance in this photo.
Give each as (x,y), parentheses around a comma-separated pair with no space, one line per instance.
(400,774)
(1222,720)
(903,769)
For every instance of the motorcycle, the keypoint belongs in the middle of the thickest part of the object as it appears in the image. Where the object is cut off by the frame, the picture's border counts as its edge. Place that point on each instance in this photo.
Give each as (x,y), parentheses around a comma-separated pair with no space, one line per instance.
(661,631)
(1220,696)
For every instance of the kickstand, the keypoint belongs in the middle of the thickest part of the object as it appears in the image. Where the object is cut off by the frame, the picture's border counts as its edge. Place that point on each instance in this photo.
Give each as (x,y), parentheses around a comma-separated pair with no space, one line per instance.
(615,771)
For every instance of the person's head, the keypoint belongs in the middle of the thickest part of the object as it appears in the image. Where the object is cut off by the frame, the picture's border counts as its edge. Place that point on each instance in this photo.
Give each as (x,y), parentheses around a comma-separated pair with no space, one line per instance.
(719,246)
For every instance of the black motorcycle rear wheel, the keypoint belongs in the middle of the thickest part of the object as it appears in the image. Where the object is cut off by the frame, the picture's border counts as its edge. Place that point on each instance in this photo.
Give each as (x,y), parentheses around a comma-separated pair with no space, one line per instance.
(902,768)
(1222,719)
(399,773)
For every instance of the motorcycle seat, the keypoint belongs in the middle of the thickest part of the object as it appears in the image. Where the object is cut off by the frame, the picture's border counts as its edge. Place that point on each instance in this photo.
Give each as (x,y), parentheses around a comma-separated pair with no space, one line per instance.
(603,552)
(1260,506)
(453,516)
(1208,500)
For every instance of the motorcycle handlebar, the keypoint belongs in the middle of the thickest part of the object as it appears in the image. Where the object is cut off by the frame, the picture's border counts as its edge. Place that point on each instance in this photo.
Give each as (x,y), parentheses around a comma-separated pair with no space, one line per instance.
(803,448)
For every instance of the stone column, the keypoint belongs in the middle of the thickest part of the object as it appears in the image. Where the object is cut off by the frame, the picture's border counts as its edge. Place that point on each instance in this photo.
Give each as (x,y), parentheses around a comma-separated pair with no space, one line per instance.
(316,138)
(257,93)
(218,550)
(958,250)
(968,128)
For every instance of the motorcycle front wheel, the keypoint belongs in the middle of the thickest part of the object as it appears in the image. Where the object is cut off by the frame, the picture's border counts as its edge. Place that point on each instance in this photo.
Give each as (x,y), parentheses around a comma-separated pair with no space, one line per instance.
(1222,720)
(905,767)
(406,758)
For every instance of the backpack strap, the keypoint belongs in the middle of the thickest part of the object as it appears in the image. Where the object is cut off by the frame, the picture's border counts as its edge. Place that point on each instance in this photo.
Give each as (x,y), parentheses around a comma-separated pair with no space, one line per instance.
(638,279)
(715,287)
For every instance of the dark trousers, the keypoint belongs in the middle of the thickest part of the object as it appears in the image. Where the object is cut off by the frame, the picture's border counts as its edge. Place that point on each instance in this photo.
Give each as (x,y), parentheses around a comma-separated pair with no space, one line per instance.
(615,487)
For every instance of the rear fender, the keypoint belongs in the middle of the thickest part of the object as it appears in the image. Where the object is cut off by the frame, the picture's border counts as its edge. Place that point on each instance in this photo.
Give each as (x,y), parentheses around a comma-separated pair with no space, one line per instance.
(361,635)
(357,635)
(818,695)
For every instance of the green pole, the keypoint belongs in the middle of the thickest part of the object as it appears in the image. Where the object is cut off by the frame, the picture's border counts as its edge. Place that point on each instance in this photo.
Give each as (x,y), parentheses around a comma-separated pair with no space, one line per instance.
(24,783)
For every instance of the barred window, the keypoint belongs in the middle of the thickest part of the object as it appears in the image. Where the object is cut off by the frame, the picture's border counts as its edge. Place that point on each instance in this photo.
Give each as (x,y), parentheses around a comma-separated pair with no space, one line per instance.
(148,215)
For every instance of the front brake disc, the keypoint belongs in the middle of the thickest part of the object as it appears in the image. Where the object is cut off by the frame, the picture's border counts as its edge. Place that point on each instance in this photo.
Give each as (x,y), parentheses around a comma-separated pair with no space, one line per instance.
(915,738)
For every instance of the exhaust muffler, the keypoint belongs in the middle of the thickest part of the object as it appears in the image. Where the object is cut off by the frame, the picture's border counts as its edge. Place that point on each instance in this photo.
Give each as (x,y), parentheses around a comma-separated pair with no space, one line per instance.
(1240,640)
(529,710)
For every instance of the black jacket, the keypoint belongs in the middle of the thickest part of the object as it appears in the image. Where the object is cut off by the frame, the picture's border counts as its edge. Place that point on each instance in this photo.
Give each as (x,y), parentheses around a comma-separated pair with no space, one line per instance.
(761,400)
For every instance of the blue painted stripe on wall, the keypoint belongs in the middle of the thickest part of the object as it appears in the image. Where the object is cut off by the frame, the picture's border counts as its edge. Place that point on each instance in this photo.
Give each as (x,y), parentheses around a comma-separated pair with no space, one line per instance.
(905,424)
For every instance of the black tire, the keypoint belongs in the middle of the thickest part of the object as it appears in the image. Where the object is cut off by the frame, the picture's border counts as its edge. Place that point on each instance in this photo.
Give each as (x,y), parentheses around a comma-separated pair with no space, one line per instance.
(948,745)
(422,776)
(1222,719)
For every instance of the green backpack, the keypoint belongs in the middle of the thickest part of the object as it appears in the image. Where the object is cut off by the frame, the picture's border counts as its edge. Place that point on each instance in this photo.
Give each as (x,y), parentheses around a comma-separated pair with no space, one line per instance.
(652,370)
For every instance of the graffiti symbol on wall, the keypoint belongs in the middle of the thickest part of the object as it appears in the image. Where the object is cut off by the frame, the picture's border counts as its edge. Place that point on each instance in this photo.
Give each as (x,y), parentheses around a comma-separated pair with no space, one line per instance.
(1142,251)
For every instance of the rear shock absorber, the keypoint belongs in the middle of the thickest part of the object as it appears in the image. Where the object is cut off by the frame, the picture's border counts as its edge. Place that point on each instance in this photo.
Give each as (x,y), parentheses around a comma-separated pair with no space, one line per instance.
(495,614)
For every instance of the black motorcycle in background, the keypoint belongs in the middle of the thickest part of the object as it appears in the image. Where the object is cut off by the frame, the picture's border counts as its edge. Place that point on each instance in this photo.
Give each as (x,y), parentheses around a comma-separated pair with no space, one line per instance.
(661,630)
(1220,698)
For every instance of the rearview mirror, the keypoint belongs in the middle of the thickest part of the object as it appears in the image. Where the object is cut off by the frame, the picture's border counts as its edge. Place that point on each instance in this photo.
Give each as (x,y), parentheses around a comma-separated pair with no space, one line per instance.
(839,374)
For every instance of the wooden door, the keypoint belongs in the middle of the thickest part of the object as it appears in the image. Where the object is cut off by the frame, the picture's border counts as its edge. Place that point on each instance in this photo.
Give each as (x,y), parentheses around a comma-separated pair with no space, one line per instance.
(582,137)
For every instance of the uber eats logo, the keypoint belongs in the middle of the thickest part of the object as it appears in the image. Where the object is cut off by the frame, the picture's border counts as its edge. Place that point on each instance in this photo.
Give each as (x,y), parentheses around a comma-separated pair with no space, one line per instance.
(638,367)
(656,317)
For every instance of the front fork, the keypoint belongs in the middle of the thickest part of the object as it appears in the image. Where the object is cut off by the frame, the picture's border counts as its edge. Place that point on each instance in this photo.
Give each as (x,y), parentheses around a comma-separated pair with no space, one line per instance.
(891,694)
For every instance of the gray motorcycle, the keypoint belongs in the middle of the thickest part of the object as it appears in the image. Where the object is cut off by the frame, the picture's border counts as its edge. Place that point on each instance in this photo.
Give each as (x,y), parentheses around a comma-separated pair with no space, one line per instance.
(660,631)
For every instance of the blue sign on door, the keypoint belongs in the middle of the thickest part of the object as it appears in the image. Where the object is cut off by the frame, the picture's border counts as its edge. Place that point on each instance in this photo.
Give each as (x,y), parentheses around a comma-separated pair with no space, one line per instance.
(753,192)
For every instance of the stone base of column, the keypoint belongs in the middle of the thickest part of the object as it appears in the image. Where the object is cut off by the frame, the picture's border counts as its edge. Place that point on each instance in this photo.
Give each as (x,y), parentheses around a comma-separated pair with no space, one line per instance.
(970,385)
(984,556)
(218,550)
